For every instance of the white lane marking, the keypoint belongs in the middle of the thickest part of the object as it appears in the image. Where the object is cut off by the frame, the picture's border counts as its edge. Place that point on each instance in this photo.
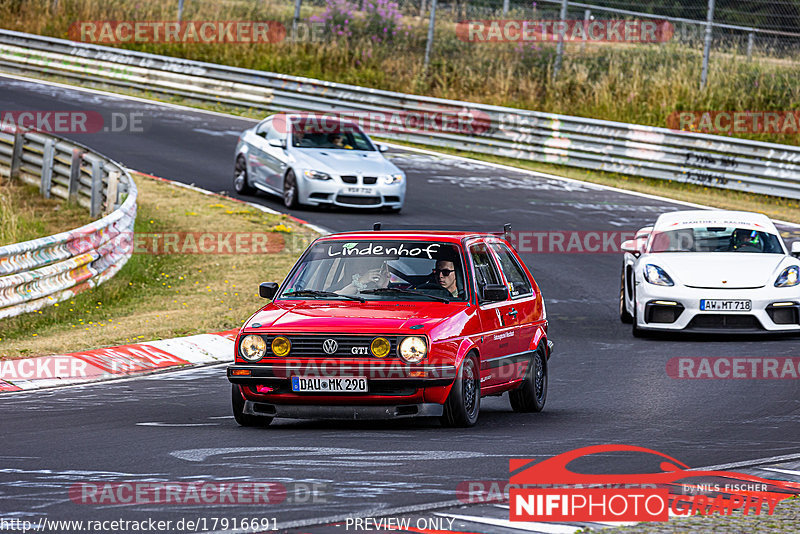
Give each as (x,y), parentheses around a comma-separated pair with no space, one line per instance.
(531,526)
(751,463)
(198,455)
(158,423)
(784,471)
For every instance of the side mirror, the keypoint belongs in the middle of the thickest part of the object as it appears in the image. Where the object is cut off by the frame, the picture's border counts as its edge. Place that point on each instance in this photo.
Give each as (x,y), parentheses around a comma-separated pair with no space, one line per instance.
(382,148)
(495,292)
(796,249)
(267,290)
(277,143)
(630,246)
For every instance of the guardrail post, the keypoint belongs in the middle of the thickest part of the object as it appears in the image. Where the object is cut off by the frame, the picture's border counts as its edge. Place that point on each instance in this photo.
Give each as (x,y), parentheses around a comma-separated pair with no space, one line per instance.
(587,16)
(750,38)
(296,18)
(560,45)
(707,44)
(16,155)
(75,174)
(112,192)
(505,7)
(429,44)
(97,188)
(47,167)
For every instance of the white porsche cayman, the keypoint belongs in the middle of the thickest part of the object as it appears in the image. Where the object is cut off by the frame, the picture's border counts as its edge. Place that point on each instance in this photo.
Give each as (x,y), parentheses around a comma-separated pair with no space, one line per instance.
(710,271)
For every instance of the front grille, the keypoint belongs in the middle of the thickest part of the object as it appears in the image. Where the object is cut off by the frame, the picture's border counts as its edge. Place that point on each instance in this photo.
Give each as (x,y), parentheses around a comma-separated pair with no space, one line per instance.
(349,179)
(310,346)
(358,201)
(660,313)
(370,180)
(391,198)
(725,321)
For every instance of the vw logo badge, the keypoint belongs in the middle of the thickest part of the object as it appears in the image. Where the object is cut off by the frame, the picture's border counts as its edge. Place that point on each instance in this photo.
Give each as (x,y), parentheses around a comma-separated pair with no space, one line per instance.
(330,346)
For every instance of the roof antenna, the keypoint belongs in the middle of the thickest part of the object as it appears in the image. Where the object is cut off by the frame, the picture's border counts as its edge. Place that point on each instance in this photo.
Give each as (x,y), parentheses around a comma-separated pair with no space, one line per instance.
(506,231)
(376,227)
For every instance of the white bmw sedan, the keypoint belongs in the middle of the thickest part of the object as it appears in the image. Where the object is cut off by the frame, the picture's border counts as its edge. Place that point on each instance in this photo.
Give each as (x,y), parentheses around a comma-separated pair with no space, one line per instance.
(711,271)
(316,160)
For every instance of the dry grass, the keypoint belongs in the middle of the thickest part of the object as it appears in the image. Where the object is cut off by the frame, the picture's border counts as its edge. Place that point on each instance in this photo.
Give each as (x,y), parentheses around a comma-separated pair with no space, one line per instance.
(164,295)
(26,215)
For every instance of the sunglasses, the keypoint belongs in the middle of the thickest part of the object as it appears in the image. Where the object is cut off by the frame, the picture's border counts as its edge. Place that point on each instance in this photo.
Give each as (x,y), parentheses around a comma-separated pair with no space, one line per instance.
(446,272)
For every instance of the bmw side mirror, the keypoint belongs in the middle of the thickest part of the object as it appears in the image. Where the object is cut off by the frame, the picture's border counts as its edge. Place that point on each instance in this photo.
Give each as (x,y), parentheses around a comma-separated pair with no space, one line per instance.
(267,290)
(630,246)
(796,249)
(495,292)
(382,148)
(277,143)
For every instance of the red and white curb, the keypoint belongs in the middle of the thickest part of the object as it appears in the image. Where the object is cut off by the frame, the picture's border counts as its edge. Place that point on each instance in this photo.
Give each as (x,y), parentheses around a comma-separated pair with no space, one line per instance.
(116,362)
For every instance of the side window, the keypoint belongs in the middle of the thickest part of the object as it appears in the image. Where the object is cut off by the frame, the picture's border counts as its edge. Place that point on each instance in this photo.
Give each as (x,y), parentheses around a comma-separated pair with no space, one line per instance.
(485,270)
(518,282)
(273,133)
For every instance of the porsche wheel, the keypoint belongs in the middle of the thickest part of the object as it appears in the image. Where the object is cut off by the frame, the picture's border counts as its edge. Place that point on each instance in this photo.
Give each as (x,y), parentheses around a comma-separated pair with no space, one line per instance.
(240,184)
(624,316)
(237,403)
(464,402)
(531,395)
(290,190)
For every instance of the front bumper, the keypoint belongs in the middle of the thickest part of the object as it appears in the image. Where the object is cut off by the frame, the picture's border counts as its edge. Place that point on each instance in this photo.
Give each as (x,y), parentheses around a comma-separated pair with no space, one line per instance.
(278,375)
(335,193)
(299,411)
(764,317)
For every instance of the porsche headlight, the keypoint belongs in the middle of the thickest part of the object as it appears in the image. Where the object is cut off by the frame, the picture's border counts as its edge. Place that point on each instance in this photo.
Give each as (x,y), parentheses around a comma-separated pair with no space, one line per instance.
(252,348)
(790,277)
(656,275)
(316,175)
(380,347)
(391,179)
(413,349)
(281,346)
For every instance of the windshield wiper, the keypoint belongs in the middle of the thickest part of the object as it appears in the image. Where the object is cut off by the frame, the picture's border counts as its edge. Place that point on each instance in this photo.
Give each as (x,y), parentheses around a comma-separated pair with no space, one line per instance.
(322,294)
(404,291)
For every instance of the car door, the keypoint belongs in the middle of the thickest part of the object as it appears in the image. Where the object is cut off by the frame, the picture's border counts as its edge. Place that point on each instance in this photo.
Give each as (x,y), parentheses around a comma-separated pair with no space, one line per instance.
(498,321)
(275,157)
(523,306)
(257,157)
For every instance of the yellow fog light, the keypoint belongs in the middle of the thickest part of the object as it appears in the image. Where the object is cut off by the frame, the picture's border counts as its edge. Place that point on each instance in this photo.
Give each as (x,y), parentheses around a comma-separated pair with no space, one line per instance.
(380,347)
(281,346)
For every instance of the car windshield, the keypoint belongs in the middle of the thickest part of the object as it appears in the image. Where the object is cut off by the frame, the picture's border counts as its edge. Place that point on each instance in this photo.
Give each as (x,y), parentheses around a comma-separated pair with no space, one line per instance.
(379,270)
(716,239)
(308,133)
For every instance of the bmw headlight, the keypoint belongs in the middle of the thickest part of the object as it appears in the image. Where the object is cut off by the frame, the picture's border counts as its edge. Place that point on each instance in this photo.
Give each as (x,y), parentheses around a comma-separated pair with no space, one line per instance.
(656,275)
(252,348)
(413,349)
(790,277)
(316,175)
(391,179)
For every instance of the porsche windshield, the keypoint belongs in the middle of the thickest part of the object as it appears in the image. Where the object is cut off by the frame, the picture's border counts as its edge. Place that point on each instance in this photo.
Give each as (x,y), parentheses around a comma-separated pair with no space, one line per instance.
(716,239)
(379,270)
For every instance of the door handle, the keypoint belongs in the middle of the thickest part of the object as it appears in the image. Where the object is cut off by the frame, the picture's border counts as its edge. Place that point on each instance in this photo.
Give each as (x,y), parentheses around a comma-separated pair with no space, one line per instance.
(513,312)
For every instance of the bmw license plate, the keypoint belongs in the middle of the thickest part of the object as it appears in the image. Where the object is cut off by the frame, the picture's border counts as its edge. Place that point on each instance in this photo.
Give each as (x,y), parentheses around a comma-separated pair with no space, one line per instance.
(354,384)
(726,305)
(359,191)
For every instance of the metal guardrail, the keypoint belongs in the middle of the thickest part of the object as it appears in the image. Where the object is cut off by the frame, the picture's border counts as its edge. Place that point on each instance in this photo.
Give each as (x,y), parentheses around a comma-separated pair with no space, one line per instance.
(44,271)
(646,151)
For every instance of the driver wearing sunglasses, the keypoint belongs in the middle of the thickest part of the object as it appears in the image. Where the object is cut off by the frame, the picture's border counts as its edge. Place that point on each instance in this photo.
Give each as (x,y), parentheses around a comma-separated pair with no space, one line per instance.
(445,274)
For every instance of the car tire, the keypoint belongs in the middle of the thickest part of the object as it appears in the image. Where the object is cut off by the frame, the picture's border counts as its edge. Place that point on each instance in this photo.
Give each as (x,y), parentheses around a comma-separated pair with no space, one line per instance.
(531,395)
(240,178)
(463,404)
(290,191)
(244,419)
(624,316)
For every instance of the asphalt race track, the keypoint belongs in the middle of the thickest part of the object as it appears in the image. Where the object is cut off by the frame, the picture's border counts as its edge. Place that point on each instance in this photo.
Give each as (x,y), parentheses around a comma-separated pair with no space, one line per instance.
(605,386)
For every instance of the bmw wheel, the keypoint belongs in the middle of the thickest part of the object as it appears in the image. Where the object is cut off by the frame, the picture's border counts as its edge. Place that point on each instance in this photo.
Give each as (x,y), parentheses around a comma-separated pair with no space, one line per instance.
(464,402)
(244,419)
(240,183)
(290,190)
(531,395)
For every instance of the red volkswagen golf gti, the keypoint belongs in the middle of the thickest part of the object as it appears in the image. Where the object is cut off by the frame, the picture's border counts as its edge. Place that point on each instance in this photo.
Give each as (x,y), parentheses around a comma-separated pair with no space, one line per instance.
(381,325)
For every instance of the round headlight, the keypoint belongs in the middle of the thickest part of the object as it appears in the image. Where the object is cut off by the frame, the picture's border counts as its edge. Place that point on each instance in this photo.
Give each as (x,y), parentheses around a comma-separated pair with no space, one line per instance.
(413,349)
(281,346)
(253,348)
(380,347)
